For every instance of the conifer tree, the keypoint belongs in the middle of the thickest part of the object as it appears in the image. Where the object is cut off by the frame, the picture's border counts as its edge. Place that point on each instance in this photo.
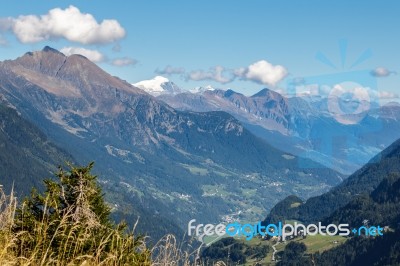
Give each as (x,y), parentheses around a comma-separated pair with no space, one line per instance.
(70,222)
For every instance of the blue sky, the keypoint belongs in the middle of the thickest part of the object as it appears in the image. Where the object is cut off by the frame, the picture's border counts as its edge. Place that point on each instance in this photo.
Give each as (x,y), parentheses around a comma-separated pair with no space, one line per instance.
(243,45)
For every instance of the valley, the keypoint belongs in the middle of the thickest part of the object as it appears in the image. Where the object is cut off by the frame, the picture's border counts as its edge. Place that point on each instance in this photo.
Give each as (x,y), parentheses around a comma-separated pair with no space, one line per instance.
(154,160)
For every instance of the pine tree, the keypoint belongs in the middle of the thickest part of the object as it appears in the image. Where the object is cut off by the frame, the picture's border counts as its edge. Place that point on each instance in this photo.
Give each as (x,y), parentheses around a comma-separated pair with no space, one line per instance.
(70,222)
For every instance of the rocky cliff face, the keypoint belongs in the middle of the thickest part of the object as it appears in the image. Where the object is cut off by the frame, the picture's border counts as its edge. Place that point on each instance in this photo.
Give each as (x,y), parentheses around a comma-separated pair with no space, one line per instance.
(266,108)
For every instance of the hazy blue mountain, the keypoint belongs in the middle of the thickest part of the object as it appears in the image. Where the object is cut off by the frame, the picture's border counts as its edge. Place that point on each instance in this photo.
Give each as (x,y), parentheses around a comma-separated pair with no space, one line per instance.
(302,126)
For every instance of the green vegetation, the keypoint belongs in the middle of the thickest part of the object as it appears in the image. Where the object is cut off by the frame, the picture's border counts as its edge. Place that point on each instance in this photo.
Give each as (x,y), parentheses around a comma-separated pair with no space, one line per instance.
(21,141)
(284,210)
(293,255)
(67,224)
(379,207)
(234,251)
(317,243)
(196,170)
(384,250)
(320,243)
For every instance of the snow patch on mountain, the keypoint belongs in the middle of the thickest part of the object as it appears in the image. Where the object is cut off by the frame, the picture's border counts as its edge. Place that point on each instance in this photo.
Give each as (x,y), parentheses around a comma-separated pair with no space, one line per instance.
(200,90)
(158,85)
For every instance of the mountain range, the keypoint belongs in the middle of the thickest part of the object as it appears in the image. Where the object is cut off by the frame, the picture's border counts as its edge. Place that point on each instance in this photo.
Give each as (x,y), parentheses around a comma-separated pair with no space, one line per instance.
(303,126)
(153,160)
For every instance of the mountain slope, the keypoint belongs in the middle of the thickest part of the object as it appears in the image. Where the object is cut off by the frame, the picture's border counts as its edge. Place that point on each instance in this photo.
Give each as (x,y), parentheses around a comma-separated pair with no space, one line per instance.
(365,180)
(380,207)
(172,163)
(26,155)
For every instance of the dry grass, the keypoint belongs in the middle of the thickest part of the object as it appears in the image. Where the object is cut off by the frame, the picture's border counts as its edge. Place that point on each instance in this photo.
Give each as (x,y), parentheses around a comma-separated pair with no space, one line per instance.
(167,252)
(8,205)
(116,247)
(69,244)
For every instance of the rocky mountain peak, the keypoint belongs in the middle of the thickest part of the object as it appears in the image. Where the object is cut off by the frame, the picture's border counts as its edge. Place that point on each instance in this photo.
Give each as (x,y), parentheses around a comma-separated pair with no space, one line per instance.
(158,85)
(48,49)
(266,93)
(62,75)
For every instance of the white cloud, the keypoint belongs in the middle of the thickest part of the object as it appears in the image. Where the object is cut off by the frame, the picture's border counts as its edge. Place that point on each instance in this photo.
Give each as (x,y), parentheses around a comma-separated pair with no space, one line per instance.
(170,70)
(382,72)
(386,95)
(123,61)
(93,55)
(68,23)
(217,74)
(262,72)
(359,92)
(240,72)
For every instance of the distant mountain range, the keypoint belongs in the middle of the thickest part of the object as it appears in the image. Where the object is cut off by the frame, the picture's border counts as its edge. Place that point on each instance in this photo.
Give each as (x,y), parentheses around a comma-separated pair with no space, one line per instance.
(303,126)
(153,160)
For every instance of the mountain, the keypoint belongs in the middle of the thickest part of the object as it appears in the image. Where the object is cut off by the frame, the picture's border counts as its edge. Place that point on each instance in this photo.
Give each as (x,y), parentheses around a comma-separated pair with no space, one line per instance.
(26,154)
(303,126)
(382,250)
(28,157)
(370,197)
(154,161)
(364,181)
(158,86)
(380,207)
(266,108)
